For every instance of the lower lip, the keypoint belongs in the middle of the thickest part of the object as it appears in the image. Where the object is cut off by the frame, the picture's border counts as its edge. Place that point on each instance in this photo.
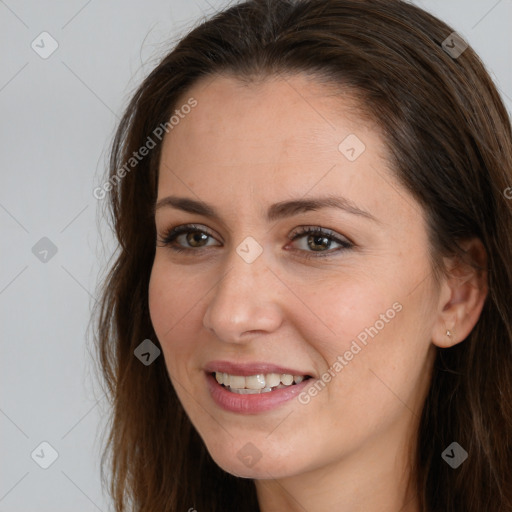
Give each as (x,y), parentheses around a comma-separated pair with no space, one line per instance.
(253,403)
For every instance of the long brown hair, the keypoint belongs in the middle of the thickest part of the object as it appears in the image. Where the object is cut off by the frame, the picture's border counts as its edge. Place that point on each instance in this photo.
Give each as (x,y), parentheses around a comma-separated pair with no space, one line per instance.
(450,139)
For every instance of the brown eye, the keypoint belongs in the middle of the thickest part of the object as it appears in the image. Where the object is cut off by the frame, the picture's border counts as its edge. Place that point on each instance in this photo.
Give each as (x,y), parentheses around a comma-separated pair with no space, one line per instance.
(319,240)
(196,238)
(189,237)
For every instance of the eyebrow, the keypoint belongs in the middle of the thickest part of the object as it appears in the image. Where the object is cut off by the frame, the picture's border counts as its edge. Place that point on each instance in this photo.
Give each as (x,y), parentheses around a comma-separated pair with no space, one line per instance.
(275,212)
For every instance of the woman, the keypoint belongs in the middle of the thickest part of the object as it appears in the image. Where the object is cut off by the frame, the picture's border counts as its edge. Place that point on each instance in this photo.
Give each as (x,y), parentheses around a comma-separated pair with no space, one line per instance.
(247,371)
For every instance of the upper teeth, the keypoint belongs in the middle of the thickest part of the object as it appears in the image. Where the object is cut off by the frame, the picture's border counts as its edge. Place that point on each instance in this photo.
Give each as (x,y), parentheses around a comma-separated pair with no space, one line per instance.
(260,381)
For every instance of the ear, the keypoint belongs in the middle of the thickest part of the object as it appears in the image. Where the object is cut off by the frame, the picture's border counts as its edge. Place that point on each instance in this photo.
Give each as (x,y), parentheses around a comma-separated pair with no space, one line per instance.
(462,296)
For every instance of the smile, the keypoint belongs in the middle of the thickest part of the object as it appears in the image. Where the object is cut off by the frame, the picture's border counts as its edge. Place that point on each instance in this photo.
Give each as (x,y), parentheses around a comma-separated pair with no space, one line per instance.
(256,384)
(246,400)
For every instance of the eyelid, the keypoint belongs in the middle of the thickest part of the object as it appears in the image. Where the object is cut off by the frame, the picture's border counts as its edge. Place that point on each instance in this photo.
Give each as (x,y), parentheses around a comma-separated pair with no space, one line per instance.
(309,229)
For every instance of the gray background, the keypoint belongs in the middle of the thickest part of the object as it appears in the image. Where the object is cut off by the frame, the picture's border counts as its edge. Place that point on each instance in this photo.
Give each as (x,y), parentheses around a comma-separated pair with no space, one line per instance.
(57,118)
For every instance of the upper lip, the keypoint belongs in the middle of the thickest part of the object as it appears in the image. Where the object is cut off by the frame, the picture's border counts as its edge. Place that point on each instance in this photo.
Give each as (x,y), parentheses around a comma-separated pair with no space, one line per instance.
(246,369)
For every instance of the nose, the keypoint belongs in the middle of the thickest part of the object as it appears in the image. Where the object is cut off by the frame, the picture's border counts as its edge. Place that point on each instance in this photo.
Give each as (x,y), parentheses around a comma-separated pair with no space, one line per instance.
(246,300)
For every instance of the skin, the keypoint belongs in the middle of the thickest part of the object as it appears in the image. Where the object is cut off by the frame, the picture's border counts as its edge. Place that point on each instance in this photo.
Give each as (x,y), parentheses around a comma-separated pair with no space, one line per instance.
(243,148)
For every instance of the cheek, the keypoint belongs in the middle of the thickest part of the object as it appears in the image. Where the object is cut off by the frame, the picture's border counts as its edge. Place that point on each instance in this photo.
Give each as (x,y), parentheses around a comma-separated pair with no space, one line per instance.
(174,309)
(166,308)
(158,300)
(375,338)
(170,297)
(351,313)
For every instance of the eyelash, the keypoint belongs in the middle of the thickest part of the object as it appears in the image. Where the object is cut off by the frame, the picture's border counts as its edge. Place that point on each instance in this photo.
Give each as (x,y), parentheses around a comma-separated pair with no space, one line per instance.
(170,236)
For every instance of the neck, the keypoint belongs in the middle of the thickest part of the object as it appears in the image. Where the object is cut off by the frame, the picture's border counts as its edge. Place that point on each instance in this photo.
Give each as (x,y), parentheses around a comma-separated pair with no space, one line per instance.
(376,477)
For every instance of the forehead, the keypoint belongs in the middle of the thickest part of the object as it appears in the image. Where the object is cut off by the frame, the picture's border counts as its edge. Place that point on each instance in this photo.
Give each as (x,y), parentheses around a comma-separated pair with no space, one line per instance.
(287,122)
(246,146)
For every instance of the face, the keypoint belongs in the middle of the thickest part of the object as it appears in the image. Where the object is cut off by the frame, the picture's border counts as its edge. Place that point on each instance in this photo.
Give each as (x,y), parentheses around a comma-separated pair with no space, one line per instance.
(342,293)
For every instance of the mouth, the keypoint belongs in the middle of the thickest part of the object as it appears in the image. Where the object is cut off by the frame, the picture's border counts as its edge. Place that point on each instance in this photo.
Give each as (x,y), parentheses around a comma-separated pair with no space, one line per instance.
(257,384)
(253,394)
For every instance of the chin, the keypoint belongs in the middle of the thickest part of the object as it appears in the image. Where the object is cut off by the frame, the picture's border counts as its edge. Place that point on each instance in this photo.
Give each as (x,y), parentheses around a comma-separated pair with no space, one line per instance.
(249,462)
(259,471)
